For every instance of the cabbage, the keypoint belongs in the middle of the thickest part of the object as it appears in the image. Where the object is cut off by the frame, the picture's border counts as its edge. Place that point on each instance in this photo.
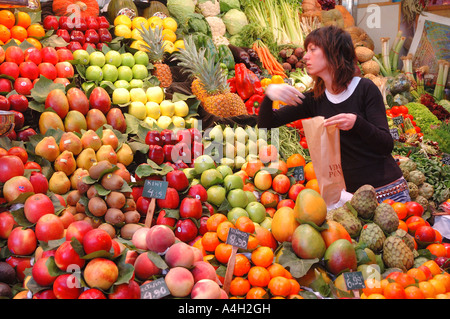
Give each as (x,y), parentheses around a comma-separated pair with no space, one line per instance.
(227,5)
(180,9)
(234,20)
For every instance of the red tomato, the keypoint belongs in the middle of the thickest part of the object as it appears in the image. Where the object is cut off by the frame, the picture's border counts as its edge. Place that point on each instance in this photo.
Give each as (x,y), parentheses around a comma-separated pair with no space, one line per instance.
(403,109)
(408,116)
(395,110)
(417,129)
(414,209)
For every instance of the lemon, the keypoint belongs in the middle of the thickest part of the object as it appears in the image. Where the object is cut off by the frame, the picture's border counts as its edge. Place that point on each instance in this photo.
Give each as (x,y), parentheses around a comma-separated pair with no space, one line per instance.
(137,23)
(178,122)
(138,45)
(168,46)
(154,22)
(179,44)
(122,30)
(135,34)
(169,35)
(170,23)
(122,19)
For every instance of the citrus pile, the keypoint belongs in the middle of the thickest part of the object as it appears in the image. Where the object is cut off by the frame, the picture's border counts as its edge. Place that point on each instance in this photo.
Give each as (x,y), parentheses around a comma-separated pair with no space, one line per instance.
(19,27)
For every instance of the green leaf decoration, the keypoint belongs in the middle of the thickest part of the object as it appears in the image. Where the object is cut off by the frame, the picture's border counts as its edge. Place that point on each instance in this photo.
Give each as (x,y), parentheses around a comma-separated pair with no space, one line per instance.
(53,41)
(157,260)
(298,267)
(43,87)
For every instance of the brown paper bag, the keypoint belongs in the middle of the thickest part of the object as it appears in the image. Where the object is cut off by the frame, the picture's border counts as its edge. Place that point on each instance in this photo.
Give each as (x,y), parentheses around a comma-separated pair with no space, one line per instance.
(324,149)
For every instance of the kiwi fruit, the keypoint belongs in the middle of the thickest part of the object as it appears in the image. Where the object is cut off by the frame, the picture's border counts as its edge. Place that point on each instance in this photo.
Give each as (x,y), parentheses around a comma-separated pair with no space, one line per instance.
(116,200)
(132,216)
(82,187)
(108,228)
(114,216)
(73,197)
(5,291)
(80,208)
(128,230)
(7,273)
(112,182)
(91,192)
(97,206)
(98,168)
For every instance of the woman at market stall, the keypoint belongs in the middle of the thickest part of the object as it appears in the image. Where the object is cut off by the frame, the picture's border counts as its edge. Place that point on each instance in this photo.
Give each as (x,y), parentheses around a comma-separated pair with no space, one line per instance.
(354,104)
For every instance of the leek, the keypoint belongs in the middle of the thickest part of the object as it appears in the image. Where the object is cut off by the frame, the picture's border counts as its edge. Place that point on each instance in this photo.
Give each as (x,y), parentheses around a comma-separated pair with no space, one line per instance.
(397,39)
(397,49)
(382,68)
(441,79)
(385,56)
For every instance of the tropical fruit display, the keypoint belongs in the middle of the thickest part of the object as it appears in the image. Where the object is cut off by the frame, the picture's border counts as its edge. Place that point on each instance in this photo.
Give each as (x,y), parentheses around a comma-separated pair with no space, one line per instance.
(132,165)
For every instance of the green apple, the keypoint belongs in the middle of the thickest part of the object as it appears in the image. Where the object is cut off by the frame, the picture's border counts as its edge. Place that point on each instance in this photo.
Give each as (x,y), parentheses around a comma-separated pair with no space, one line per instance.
(122,84)
(178,121)
(203,162)
(97,58)
(128,59)
(137,83)
(232,181)
(256,211)
(167,108)
(181,108)
(120,96)
(153,110)
(138,110)
(141,57)
(216,194)
(81,56)
(155,94)
(235,213)
(94,73)
(110,72)
(226,170)
(164,121)
(138,94)
(125,73)
(113,57)
(139,71)
(237,198)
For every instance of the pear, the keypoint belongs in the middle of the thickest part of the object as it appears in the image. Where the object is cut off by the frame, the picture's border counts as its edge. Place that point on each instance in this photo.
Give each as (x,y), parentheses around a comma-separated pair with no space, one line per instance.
(125,155)
(59,183)
(70,142)
(66,163)
(76,176)
(47,148)
(216,134)
(228,135)
(240,135)
(110,138)
(90,139)
(106,152)
(86,158)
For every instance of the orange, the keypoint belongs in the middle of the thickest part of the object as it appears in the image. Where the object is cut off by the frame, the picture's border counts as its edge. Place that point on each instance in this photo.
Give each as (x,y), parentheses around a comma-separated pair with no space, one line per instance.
(309,171)
(445,279)
(262,256)
(373,286)
(223,252)
(252,243)
(433,266)
(7,18)
(277,269)
(210,241)
(258,276)
(437,249)
(313,184)
(295,160)
(214,220)
(439,286)
(277,79)
(405,280)
(427,289)
(442,296)
(384,283)
(402,225)
(245,224)
(198,244)
(438,236)
(400,209)
(413,292)
(295,286)
(35,30)
(256,293)
(394,290)
(376,296)
(5,33)
(35,42)
(279,286)
(222,230)
(295,296)
(242,265)
(19,33)
(239,286)
(23,19)
(417,274)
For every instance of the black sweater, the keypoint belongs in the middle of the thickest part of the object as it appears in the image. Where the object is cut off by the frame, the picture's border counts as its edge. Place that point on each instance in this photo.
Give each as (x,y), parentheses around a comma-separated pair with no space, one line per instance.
(365,149)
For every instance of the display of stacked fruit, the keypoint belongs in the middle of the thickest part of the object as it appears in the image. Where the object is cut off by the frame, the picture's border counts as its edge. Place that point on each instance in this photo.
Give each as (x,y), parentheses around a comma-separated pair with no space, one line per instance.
(95,123)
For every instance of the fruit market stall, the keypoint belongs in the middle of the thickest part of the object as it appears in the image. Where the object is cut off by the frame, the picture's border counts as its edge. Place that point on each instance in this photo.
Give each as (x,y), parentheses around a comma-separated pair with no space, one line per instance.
(132,167)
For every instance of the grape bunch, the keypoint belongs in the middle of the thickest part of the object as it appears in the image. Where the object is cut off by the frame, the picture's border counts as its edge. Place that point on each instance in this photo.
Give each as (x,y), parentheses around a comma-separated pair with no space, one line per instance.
(327,4)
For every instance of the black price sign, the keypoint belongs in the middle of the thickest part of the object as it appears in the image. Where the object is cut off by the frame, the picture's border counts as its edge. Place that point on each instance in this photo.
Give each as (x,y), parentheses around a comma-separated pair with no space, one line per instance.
(155,189)
(354,280)
(237,238)
(155,289)
(446,159)
(299,173)
(394,134)
(397,120)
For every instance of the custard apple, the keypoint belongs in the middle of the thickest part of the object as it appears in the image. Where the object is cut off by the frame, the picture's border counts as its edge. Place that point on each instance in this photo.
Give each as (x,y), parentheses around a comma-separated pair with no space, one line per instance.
(386,217)
(373,236)
(396,254)
(364,201)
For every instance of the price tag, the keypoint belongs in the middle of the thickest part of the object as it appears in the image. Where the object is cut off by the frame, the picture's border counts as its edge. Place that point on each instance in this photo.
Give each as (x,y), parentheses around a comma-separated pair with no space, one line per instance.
(397,120)
(237,238)
(354,280)
(446,159)
(394,134)
(155,189)
(299,173)
(155,289)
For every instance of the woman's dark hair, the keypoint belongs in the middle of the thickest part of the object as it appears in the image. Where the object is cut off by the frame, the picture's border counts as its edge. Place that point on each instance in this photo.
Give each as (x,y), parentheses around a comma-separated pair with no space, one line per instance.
(339,51)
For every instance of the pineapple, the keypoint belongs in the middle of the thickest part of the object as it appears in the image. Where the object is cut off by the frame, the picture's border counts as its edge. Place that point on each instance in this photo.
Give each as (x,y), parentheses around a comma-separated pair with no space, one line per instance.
(154,44)
(210,84)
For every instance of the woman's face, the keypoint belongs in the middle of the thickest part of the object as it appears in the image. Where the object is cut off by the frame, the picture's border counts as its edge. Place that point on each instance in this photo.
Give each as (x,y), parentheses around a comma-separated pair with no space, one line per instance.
(316,62)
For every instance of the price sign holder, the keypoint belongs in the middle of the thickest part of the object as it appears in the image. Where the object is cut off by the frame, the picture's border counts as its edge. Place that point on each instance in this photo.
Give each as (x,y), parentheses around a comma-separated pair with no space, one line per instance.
(394,134)
(155,289)
(237,239)
(299,173)
(155,190)
(354,281)
(398,120)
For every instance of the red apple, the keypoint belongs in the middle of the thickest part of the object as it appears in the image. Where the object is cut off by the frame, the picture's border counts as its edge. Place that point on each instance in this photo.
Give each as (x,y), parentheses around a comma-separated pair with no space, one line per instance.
(171,201)
(64,54)
(81,24)
(77,36)
(156,154)
(23,86)
(10,68)
(10,166)
(24,135)
(36,206)
(163,220)
(67,286)
(191,207)
(92,23)
(5,85)
(66,256)
(64,34)
(104,35)
(198,191)
(92,293)
(22,241)
(29,69)
(74,45)
(7,223)
(64,70)
(50,55)
(103,22)
(14,54)
(50,22)
(40,272)
(39,182)
(95,240)
(33,55)
(49,227)
(91,36)
(48,70)
(178,180)
(4,103)
(185,230)
(77,230)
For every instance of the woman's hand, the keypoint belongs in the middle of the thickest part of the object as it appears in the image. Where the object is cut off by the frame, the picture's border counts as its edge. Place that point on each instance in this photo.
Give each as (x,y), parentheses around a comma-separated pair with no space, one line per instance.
(284,93)
(343,121)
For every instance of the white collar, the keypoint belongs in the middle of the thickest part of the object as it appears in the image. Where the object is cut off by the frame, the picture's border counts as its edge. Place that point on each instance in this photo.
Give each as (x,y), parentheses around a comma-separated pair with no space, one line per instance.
(341,97)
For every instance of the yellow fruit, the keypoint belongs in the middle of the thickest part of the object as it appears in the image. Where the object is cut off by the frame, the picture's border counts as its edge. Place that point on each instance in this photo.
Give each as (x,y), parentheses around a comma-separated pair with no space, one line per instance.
(169,35)
(135,34)
(179,44)
(122,30)
(154,22)
(170,23)
(137,44)
(122,20)
(168,46)
(137,23)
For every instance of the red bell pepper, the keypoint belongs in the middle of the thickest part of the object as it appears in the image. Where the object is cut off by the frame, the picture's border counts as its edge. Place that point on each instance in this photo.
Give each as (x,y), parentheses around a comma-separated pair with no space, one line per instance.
(232,84)
(247,83)
(253,103)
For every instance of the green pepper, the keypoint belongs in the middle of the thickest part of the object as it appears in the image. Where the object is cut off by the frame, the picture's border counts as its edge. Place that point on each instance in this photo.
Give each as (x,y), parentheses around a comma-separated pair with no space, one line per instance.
(226,56)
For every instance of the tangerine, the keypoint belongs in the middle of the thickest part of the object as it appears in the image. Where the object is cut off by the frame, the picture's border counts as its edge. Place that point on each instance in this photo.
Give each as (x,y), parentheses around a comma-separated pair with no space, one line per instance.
(23,19)
(277,269)
(222,230)
(223,252)
(413,292)
(313,184)
(7,18)
(256,293)
(394,290)
(242,265)
(262,256)
(445,279)
(295,286)
(437,249)
(35,42)
(268,153)
(427,289)
(439,286)
(239,286)
(402,225)
(35,30)
(279,165)
(214,220)
(417,274)
(309,171)
(295,160)
(5,33)
(210,240)
(245,224)
(252,243)
(279,286)
(258,276)
(376,296)
(372,286)
(18,32)
(433,266)
(405,280)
